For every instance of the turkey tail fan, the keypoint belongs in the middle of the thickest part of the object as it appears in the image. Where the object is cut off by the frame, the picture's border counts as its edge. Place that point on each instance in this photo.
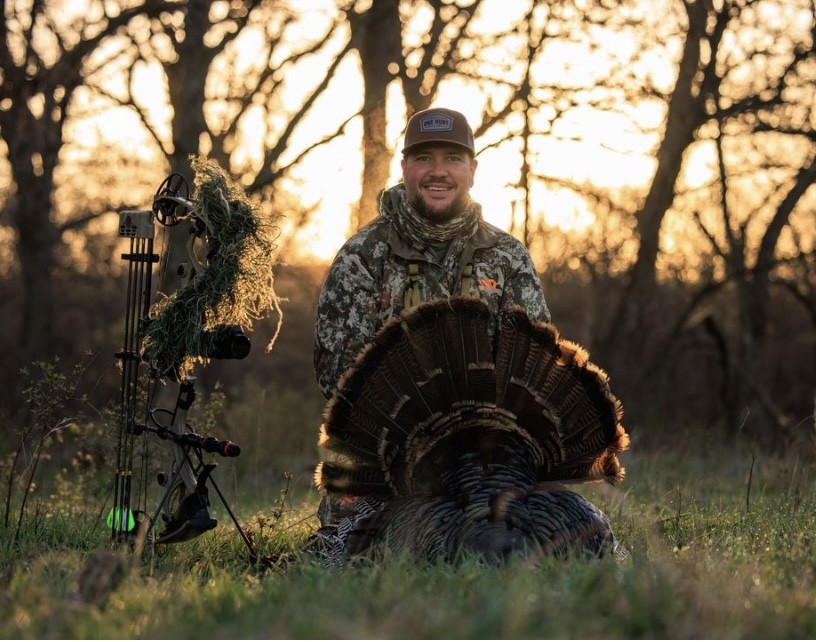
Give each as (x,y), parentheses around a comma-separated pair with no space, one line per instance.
(419,368)
(443,410)
(552,390)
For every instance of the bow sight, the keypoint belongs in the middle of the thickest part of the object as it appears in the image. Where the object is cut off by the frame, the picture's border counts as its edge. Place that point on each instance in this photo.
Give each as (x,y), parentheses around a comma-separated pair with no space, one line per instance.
(168,390)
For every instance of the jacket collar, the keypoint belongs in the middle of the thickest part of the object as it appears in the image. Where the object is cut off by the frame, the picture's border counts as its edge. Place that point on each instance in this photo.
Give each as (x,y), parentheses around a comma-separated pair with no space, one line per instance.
(484,237)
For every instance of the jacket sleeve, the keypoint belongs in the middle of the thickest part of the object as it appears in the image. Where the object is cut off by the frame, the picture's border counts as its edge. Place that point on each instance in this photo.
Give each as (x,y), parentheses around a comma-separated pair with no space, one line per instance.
(346,318)
(524,286)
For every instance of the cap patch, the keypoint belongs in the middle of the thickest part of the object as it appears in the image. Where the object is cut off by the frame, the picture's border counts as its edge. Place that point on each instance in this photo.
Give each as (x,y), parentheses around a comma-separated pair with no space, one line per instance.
(436,123)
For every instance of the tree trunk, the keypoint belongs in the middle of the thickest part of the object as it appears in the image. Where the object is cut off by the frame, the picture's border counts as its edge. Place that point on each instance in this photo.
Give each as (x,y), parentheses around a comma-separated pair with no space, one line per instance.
(187,78)
(638,307)
(37,242)
(34,145)
(378,38)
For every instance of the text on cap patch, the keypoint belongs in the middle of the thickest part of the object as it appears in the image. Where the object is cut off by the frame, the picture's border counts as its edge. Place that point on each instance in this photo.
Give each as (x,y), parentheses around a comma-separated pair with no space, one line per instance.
(436,123)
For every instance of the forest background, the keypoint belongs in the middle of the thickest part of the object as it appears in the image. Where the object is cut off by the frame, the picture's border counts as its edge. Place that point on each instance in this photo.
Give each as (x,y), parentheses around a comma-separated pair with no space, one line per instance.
(656,156)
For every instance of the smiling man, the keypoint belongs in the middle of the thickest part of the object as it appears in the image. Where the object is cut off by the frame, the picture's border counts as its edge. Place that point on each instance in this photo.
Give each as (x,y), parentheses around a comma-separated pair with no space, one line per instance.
(428,242)
(438,165)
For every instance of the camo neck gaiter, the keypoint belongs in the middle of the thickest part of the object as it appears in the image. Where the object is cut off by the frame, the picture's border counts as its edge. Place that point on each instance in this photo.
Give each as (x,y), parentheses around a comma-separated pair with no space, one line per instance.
(417,230)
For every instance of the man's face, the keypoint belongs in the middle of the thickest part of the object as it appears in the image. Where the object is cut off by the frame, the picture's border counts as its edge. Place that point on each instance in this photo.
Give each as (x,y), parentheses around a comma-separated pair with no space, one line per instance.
(438,179)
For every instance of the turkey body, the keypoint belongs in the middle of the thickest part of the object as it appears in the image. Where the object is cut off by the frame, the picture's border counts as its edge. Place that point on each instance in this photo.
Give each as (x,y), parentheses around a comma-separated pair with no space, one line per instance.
(491,508)
(462,435)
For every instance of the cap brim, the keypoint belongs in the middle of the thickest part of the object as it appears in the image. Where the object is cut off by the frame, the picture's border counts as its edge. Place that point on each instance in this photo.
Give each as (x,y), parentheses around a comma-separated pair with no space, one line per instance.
(437,141)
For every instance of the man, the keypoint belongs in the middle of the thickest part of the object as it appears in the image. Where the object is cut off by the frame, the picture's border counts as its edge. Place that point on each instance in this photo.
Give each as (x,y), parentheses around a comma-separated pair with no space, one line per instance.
(429,241)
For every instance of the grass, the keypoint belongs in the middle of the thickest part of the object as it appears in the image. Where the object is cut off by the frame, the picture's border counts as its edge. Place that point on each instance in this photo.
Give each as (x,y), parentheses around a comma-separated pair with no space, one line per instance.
(710,557)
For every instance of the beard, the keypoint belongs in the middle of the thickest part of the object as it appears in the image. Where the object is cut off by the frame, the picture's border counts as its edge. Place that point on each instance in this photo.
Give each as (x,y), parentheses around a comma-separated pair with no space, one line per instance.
(453,210)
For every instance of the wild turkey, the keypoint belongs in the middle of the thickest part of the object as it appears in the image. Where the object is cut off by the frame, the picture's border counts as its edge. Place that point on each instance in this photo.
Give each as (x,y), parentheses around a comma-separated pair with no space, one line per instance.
(456,442)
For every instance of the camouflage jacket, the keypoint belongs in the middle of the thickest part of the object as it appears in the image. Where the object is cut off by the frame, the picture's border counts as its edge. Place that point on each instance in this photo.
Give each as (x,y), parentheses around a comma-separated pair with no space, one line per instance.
(375,274)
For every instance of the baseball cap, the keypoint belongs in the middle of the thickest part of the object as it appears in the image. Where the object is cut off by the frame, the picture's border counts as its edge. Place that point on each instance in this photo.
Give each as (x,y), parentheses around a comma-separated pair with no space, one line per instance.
(438,125)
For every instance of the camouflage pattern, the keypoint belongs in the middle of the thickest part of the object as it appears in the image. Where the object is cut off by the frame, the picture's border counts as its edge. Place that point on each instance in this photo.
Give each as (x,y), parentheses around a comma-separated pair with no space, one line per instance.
(366,284)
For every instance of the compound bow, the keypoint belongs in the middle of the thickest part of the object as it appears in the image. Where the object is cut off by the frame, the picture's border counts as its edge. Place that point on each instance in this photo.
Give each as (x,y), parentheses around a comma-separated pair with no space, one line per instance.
(217,269)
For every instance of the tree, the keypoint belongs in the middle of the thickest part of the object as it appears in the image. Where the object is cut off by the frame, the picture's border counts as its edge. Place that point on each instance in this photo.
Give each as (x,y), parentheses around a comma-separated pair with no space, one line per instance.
(388,50)
(710,88)
(745,240)
(377,37)
(214,87)
(43,62)
(743,72)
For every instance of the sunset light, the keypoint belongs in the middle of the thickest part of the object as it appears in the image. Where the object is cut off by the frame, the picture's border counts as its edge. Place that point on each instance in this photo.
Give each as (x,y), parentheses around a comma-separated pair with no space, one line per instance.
(590,415)
(588,133)
(592,146)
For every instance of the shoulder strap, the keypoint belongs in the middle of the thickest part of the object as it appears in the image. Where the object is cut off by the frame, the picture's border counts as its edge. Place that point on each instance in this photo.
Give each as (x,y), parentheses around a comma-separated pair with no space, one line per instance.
(412,295)
(467,279)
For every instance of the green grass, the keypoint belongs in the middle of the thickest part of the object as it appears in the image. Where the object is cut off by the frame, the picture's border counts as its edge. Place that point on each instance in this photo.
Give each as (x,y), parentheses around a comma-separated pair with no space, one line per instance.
(710,557)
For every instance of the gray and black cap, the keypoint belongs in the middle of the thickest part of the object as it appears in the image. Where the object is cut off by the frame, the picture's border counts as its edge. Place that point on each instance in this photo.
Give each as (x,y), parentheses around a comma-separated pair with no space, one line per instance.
(438,125)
